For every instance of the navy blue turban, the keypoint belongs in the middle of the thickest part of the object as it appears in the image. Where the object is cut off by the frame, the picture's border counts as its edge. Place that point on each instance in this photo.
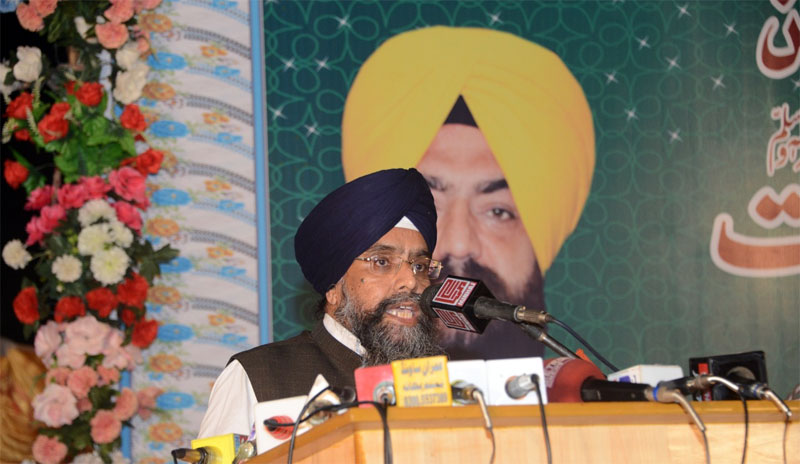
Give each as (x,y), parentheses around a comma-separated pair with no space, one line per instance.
(353,217)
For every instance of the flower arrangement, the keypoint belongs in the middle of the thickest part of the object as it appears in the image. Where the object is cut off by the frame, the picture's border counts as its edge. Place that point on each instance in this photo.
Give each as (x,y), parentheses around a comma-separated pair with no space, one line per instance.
(89,28)
(95,271)
(93,267)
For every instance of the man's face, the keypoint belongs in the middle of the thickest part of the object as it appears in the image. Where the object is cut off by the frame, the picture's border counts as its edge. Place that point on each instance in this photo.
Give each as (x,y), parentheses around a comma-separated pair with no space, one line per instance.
(481,234)
(383,310)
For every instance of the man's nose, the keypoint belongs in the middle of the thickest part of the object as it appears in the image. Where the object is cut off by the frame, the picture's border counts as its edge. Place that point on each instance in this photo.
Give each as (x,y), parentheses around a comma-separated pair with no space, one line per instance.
(405,280)
(458,237)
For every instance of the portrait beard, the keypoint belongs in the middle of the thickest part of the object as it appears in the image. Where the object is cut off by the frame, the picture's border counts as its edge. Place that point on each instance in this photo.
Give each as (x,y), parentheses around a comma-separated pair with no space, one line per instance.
(531,295)
(385,342)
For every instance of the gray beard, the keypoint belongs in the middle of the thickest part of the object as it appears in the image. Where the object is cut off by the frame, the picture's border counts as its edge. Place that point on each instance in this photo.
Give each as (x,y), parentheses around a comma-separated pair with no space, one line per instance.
(385,342)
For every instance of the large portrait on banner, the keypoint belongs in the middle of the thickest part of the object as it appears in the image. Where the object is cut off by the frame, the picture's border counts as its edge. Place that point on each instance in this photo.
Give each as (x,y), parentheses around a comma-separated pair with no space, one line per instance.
(630,167)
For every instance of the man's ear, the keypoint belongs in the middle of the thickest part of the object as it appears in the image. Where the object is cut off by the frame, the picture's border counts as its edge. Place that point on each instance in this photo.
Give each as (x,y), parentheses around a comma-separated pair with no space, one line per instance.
(334,295)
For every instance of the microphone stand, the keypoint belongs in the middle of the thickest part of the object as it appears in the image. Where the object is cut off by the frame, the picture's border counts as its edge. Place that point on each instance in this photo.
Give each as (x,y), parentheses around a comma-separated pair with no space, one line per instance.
(536,332)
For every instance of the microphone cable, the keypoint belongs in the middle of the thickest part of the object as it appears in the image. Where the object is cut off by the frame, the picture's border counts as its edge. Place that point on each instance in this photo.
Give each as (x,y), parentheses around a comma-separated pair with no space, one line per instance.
(296,424)
(746,425)
(584,343)
(545,432)
(380,407)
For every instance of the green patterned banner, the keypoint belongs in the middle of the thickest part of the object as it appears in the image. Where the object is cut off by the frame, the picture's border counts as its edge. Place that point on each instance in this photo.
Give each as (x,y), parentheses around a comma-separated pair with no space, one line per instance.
(689,241)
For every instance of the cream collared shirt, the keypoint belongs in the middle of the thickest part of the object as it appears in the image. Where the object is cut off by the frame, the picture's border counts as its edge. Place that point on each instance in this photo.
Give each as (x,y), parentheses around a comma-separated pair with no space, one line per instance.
(231,406)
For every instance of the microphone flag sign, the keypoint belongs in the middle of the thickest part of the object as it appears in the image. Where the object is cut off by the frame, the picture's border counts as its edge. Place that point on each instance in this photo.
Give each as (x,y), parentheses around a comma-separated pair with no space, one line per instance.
(451,303)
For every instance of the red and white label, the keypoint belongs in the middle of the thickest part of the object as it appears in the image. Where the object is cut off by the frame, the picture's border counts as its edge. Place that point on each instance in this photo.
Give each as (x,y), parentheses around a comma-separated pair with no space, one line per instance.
(454,292)
(702,368)
(454,320)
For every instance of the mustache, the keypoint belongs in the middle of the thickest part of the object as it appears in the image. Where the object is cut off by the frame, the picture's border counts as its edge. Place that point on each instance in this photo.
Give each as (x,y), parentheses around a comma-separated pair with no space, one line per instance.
(380,310)
(531,294)
(474,270)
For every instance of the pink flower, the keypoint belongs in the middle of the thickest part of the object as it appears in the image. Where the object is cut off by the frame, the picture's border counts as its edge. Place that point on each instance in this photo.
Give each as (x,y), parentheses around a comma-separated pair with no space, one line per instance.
(120,11)
(50,217)
(72,195)
(34,230)
(82,380)
(55,406)
(28,18)
(68,356)
(114,356)
(129,184)
(111,35)
(140,5)
(47,341)
(57,374)
(47,450)
(105,427)
(44,7)
(142,45)
(87,335)
(39,198)
(127,404)
(84,404)
(147,400)
(129,215)
(96,187)
(107,375)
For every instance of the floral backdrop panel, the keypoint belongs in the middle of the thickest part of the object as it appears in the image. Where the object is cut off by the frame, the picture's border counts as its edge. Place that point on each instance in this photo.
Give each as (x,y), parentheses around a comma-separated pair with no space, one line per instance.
(199,97)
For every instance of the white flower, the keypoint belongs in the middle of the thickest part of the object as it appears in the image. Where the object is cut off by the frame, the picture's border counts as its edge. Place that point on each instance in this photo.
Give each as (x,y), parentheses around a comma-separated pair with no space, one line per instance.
(15,255)
(67,268)
(93,239)
(127,56)
(130,83)
(120,234)
(94,210)
(82,26)
(109,266)
(87,458)
(6,89)
(118,458)
(29,65)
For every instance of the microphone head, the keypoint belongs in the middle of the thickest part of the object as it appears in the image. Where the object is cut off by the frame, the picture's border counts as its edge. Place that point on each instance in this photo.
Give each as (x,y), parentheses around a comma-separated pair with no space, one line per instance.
(564,377)
(453,303)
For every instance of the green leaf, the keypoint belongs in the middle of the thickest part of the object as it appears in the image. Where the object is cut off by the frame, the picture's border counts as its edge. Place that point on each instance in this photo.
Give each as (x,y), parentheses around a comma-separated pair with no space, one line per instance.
(34,181)
(96,126)
(67,163)
(128,144)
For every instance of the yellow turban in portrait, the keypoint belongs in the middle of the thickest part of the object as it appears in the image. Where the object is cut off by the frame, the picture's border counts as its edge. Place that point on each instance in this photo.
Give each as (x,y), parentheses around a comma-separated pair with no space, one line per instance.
(525,101)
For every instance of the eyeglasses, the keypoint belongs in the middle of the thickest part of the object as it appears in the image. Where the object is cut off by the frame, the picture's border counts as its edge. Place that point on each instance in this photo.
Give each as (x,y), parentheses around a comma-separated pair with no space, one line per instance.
(388,264)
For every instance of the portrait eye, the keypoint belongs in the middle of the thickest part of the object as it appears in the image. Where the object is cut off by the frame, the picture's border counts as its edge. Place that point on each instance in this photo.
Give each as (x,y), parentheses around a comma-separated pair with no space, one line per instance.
(501,214)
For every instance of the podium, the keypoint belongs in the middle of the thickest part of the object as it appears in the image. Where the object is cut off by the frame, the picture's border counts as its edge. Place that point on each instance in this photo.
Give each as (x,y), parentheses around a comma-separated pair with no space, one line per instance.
(579,433)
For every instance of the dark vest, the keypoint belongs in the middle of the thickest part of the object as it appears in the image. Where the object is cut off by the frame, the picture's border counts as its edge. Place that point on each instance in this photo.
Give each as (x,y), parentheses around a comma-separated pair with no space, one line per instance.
(288,368)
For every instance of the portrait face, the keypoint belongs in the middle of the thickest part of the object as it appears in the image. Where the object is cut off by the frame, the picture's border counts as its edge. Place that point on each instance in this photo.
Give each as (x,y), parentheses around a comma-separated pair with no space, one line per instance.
(383,309)
(481,234)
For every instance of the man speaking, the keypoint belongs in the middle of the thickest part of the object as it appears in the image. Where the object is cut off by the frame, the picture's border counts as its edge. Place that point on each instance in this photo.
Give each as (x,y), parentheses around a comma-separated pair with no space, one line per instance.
(503,134)
(366,249)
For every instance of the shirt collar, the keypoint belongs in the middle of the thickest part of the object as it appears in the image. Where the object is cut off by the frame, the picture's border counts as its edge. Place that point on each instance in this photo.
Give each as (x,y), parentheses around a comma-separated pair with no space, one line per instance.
(342,335)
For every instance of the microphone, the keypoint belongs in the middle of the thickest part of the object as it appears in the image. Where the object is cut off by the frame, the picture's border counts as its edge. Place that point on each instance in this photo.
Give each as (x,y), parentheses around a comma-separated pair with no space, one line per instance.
(575,380)
(749,388)
(319,410)
(520,385)
(375,383)
(464,392)
(467,304)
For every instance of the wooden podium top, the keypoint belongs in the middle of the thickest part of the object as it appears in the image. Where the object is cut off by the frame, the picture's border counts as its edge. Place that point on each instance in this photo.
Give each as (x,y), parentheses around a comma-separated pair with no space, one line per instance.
(657,433)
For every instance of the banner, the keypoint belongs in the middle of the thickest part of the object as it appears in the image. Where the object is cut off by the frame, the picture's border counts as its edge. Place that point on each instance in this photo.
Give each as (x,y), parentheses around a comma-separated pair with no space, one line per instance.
(685,241)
